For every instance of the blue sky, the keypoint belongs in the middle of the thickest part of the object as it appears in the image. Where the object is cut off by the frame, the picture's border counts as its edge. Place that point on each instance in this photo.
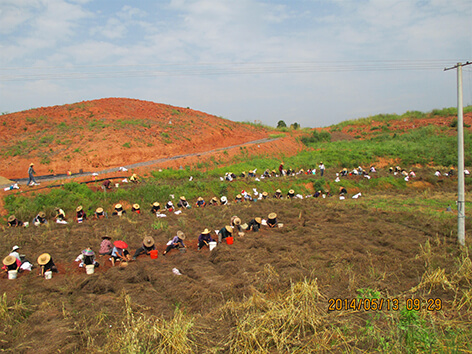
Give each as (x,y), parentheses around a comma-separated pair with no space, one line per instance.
(314,62)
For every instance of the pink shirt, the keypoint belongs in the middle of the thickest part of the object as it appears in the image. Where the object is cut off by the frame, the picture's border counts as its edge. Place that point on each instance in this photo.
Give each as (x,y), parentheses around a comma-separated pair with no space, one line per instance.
(105,246)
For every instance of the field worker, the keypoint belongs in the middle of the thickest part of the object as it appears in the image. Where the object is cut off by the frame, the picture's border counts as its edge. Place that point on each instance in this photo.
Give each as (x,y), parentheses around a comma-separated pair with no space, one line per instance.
(46,263)
(60,216)
(290,194)
(412,174)
(267,173)
(317,194)
(87,257)
(213,201)
(265,195)
(136,209)
(147,246)
(281,168)
(278,194)
(437,173)
(40,219)
(225,232)
(119,210)
(254,224)
(321,166)
(224,200)
(251,174)
(31,173)
(272,220)
(183,204)
(344,172)
(200,203)
(176,242)
(274,173)
(100,214)
(11,263)
(106,184)
(169,206)
(243,174)
(372,169)
(204,239)
(14,222)
(134,178)
(80,214)
(155,207)
(105,246)
(239,198)
(119,252)
(342,190)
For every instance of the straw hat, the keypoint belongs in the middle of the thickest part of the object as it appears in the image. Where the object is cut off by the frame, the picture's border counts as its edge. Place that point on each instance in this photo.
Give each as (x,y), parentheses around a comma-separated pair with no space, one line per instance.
(272,216)
(44,258)
(182,198)
(229,229)
(118,206)
(265,194)
(205,232)
(237,221)
(148,241)
(214,199)
(106,237)
(99,210)
(156,204)
(42,214)
(9,260)
(199,199)
(11,218)
(136,206)
(31,164)
(278,191)
(258,220)
(291,191)
(181,235)
(79,208)
(251,171)
(273,171)
(238,196)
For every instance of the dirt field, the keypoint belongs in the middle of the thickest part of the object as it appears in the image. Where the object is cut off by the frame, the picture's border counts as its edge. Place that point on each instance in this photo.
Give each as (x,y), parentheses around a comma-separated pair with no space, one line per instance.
(344,245)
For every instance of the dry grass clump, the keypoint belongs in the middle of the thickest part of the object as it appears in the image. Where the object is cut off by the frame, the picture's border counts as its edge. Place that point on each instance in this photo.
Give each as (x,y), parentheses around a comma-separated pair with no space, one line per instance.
(285,322)
(142,334)
(433,279)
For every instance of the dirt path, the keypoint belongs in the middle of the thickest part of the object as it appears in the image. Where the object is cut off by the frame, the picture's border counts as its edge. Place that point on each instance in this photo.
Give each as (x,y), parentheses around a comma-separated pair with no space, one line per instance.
(47,178)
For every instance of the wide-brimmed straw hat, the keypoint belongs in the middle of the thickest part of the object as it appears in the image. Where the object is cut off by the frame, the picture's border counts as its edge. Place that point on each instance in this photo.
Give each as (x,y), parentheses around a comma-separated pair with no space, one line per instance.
(79,208)
(291,191)
(9,260)
(237,221)
(136,206)
(278,191)
(214,199)
(272,216)
(11,218)
(199,199)
(181,235)
(107,237)
(44,259)
(42,214)
(118,206)
(182,198)
(99,210)
(229,229)
(258,220)
(31,164)
(238,196)
(206,231)
(148,241)
(265,194)
(156,204)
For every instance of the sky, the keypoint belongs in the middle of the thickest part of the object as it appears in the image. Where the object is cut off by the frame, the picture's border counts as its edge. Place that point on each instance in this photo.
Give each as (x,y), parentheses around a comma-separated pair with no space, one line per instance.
(313,62)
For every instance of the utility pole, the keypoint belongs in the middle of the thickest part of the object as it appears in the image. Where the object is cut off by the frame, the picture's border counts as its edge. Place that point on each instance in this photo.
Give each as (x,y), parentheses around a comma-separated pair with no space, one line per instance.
(460,157)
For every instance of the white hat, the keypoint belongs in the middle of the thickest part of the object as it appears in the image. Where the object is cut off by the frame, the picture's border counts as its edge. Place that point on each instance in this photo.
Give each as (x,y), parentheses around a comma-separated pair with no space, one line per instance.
(224,199)
(15,248)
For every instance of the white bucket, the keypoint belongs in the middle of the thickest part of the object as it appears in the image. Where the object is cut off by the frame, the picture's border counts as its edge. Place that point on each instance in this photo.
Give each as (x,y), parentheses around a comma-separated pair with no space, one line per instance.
(12,274)
(117,185)
(89,268)
(280,224)
(212,245)
(48,274)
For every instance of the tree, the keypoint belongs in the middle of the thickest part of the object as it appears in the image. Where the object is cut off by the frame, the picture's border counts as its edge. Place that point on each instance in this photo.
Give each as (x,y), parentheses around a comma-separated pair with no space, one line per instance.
(281,124)
(295,126)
